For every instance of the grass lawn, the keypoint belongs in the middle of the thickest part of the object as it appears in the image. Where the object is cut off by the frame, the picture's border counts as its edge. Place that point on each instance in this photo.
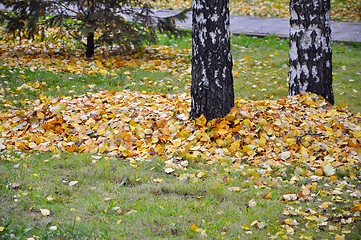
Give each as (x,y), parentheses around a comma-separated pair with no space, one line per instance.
(261,192)
(113,199)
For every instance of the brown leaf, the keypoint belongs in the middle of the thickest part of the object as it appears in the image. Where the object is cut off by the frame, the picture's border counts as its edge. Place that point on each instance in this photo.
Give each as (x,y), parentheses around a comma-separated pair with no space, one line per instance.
(281,219)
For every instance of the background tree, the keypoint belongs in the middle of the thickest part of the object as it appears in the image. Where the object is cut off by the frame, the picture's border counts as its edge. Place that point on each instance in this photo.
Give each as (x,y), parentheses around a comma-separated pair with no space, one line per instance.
(212,81)
(127,23)
(310,54)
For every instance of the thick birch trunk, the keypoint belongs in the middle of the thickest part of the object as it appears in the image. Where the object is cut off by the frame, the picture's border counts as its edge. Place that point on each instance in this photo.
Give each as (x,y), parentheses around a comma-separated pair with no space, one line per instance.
(310,55)
(212,81)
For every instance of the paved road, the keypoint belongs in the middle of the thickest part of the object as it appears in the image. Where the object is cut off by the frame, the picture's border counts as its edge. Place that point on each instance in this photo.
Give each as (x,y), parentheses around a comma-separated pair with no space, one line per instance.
(259,26)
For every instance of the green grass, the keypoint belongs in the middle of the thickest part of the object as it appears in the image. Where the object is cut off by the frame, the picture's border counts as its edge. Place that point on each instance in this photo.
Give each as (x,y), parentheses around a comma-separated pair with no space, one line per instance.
(100,206)
(67,84)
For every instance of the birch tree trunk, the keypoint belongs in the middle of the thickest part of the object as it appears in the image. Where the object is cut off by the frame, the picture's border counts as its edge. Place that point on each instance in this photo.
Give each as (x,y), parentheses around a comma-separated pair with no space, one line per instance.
(212,81)
(310,54)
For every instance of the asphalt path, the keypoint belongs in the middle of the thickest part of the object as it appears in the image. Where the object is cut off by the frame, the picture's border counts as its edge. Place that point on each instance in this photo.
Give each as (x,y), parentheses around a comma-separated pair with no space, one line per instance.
(259,26)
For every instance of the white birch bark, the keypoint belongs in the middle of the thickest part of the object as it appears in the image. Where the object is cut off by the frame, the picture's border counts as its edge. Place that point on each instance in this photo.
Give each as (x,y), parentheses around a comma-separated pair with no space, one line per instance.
(310,54)
(212,82)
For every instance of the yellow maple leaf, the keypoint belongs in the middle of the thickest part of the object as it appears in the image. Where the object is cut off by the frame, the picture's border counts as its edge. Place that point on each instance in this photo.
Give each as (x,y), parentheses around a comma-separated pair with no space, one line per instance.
(101,131)
(262,141)
(246,122)
(40,115)
(222,131)
(158,180)
(201,120)
(177,143)
(193,227)
(268,196)
(41,97)
(324,205)
(357,134)
(333,178)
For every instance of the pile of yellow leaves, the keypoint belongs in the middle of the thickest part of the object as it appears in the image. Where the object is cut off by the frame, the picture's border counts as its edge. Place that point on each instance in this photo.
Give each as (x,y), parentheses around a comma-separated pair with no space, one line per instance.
(139,125)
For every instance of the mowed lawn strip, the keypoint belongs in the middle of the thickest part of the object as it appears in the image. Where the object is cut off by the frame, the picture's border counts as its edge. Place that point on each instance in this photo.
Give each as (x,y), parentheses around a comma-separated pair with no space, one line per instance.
(100,197)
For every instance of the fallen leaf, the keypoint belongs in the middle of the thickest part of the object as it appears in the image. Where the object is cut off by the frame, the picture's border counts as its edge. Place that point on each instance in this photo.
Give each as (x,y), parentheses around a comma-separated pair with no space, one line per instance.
(222,131)
(200,174)
(333,178)
(290,230)
(158,180)
(169,170)
(72,183)
(298,171)
(289,197)
(252,203)
(329,170)
(234,189)
(268,196)
(324,205)
(15,185)
(195,228)
(254,223)
(285,155)
(45,212)
(131,212)
(53,228)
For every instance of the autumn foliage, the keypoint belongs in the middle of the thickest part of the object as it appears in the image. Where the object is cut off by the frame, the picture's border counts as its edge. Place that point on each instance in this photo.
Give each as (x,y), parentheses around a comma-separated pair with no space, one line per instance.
(60,56)
(138,125)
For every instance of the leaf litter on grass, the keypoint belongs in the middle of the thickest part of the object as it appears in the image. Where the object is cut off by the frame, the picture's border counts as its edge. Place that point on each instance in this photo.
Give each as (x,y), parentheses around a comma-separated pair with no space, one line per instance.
(269,136)
(61,54)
